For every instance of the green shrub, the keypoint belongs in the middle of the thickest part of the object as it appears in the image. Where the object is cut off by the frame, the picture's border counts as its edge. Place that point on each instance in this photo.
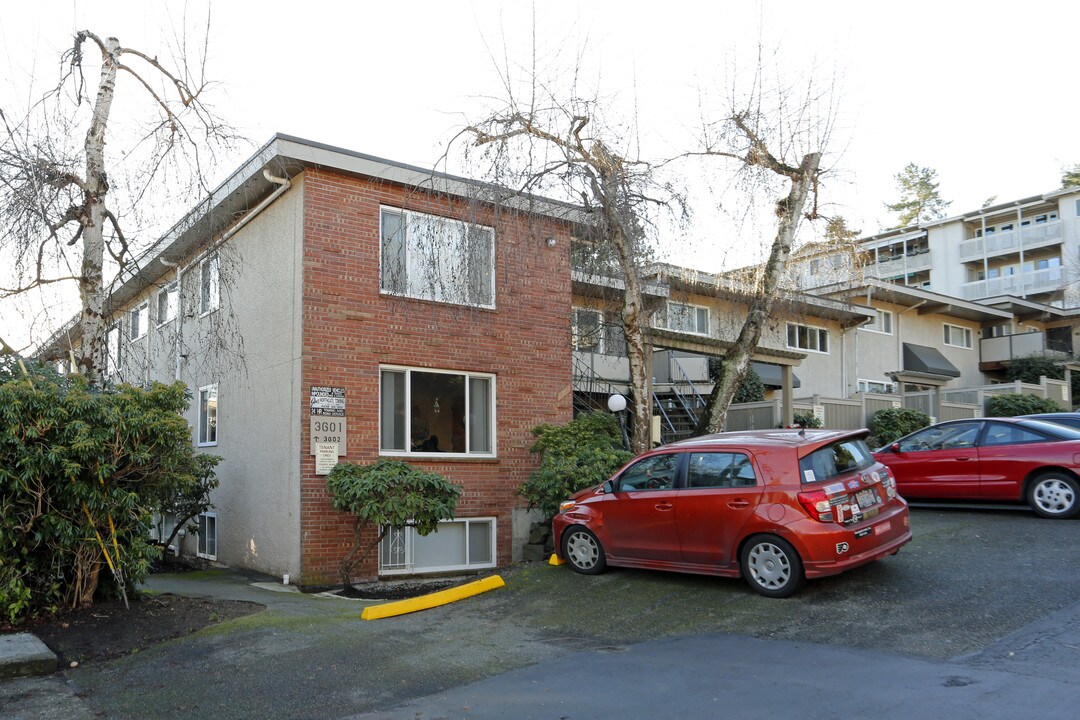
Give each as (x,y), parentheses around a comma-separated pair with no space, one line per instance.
(82,471)
(1013,405)
(386,494)
(1032,368)
(891,424)
(808,420)
(582,453)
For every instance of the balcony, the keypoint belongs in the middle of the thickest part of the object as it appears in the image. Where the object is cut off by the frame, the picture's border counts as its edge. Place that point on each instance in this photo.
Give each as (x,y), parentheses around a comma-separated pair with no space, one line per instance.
(997,350)
(888,267)
(1019,285)
(1030,237)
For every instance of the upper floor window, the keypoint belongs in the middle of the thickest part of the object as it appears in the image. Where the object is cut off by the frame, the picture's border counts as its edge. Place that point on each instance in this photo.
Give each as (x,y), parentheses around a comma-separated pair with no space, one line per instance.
(436,411)
(209,284)
(957,336)
(138,319)
(805,337)
(436,258)
(686,318)
(587,330)
(208,415)
(112,350)
(167,303)
(882,323)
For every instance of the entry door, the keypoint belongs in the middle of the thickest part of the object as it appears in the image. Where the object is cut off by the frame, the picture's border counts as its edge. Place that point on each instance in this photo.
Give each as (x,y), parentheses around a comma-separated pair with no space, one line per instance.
(639,520)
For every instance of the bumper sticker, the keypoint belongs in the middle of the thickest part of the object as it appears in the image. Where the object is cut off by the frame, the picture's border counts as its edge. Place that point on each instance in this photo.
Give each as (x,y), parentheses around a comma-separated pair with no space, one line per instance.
(863,532)
(841,548)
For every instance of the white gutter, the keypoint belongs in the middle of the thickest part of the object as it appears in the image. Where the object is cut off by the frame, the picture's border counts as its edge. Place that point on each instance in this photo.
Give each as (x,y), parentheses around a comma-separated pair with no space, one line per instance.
(283,185)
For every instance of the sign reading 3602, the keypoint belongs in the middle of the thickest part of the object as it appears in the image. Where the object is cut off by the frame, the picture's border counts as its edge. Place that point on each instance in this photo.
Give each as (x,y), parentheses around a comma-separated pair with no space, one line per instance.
(327,429)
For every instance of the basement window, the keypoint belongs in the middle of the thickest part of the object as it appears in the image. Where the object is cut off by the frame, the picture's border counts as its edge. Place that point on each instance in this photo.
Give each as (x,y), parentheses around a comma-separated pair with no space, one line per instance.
(461,544)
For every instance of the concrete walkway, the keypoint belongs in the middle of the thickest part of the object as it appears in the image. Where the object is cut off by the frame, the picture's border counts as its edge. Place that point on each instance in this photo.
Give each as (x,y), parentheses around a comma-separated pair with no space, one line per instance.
(23,655)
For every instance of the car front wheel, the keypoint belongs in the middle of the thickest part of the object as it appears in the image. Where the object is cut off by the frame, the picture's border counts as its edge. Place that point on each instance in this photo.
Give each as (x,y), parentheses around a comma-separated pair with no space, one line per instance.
(771,566)
(583,551)
(1054,495)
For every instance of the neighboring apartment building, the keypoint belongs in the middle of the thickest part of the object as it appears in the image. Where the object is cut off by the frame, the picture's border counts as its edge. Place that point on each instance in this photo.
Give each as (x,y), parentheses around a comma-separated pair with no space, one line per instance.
(324,296)
(1019,261)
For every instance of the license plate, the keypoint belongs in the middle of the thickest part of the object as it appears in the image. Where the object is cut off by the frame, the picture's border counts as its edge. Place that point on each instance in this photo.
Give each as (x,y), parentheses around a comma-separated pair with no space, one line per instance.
(883,527)
(866,498)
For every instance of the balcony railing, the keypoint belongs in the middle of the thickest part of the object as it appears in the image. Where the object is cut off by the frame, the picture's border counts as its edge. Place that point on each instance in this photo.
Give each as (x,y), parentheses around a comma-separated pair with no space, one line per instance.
(1003,243)
(1021,284)
(887,267)
(1010,347)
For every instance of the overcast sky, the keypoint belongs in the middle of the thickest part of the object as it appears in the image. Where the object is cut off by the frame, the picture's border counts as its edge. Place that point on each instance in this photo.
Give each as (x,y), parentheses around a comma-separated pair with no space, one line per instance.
(984,93)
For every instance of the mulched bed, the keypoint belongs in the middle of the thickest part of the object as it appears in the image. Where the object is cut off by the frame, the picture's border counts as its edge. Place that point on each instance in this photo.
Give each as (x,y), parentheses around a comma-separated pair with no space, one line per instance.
(398,590)
(107,630)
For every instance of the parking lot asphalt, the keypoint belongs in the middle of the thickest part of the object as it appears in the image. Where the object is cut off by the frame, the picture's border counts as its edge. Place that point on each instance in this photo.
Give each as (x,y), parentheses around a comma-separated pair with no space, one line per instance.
(977,617)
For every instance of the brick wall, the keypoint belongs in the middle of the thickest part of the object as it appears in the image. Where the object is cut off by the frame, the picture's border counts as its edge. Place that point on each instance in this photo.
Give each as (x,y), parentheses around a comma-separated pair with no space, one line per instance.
(350,329)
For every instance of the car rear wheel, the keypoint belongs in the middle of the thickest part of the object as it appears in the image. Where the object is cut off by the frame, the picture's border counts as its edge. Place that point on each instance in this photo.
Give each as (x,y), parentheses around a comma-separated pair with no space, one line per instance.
(583,551)
(771,566)
(1054,495)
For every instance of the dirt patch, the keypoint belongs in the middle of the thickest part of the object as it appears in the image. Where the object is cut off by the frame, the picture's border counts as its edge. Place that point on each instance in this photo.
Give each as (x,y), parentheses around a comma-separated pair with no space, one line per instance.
(107,630)
(398,590)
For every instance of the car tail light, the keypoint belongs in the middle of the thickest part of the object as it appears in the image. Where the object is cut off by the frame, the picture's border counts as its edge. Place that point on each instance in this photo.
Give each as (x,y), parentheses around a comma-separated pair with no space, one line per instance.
(816,504)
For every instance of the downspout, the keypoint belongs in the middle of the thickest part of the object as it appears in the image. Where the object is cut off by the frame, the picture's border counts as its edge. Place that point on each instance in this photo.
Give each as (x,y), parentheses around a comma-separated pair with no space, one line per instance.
(283,184)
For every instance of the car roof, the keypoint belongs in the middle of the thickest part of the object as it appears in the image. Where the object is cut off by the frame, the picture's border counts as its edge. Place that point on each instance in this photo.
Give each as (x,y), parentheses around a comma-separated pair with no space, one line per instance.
(803,440)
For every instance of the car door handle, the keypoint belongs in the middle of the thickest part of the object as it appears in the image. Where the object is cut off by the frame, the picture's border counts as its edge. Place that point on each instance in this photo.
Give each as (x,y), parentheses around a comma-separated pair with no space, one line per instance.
(664,506)
(738,504)
(962,459)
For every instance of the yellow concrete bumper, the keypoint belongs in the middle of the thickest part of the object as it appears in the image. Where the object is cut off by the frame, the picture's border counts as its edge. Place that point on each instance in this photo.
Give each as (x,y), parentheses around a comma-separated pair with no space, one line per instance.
(425,602)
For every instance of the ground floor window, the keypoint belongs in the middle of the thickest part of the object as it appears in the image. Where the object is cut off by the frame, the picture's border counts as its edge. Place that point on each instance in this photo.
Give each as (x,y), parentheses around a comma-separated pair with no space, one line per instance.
(462,544)
(436,411)
(162,529)
(208,536)
(876,386)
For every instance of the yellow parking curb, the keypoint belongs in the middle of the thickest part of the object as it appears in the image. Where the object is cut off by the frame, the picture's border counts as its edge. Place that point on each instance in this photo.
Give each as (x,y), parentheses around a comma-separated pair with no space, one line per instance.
(425,602)
(556,560)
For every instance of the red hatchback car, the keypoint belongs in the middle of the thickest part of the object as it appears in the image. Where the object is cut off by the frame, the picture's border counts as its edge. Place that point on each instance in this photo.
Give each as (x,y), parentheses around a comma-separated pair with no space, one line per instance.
(990,460)
(776,506)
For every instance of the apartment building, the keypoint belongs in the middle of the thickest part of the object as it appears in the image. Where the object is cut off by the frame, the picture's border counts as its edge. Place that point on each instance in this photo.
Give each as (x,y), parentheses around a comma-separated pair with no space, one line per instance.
(327,304)
(1019,260)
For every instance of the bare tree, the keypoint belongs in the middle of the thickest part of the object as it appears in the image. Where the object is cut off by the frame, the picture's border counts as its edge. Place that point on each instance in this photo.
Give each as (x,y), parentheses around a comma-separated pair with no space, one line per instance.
(776,132)
(558,145)
(67,207)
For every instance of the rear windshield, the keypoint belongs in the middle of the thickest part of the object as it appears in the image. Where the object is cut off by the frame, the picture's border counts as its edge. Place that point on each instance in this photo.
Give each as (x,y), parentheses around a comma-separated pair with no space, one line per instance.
(842,456)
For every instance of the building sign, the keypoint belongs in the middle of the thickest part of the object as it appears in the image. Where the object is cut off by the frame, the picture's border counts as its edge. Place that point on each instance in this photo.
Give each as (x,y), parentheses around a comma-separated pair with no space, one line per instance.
(326,457)
(327,401)
(328,422)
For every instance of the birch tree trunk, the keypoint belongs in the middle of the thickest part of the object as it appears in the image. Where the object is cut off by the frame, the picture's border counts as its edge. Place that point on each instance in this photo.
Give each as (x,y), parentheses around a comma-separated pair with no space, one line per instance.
(91,282)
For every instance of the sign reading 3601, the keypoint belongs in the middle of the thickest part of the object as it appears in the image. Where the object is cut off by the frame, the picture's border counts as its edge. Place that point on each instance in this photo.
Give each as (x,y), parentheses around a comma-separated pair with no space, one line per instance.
(327,429)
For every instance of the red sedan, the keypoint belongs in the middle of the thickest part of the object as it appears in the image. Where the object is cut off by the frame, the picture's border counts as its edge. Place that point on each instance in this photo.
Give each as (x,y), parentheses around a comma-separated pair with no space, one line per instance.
(774,506)
(993,460)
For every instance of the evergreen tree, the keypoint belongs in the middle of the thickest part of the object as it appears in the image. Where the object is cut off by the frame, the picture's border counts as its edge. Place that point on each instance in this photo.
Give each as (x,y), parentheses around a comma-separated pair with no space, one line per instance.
(919,197)
(1070,177)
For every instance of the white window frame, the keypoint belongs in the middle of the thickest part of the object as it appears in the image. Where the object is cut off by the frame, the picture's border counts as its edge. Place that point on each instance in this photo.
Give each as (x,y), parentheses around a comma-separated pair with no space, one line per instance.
(204,430)
(418,282)
(948,330)
(113,349)
(171,295)
(408,451)
(205,524)
(819,331)
(209,285)
(138,321)
(875,327)
(693,312)
(403,539)
(887,386)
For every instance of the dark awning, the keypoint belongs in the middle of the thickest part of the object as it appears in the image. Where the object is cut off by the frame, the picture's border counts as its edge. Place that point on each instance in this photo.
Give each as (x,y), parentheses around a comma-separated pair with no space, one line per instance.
(770,375)
(923,359)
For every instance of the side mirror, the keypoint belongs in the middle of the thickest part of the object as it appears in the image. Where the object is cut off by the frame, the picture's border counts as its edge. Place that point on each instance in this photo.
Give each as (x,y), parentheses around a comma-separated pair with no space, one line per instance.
(895,447)
(609,487)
